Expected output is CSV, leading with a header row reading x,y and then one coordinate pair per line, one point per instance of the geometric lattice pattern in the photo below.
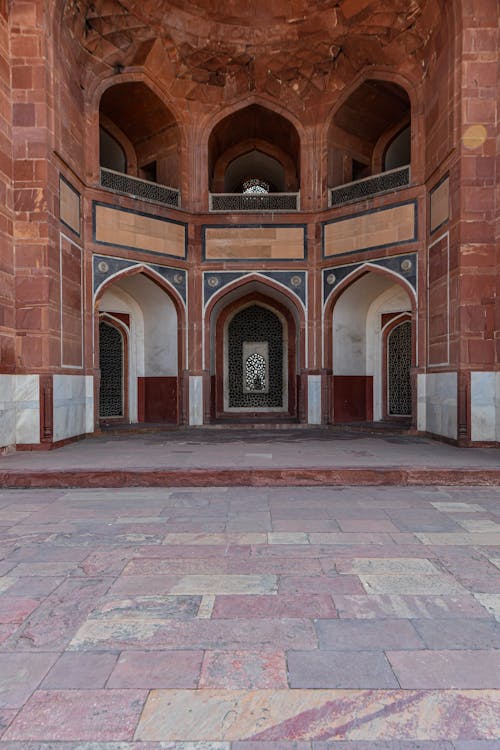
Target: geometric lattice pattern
x,y
399,363
255,373
380,183
249,202
111,365
257,324
150,191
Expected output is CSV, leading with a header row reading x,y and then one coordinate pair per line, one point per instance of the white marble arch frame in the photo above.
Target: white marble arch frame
x,y
148,272
358,271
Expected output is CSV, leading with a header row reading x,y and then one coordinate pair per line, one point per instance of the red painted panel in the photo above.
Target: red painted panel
x,y
159,399
352,398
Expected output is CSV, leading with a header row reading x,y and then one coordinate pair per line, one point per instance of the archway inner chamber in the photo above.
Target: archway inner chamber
x,y
255,360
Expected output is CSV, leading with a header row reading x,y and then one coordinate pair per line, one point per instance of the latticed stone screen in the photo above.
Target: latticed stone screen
x,y
399,362
254,202
255,373
151,191
111,365
380,183
255,367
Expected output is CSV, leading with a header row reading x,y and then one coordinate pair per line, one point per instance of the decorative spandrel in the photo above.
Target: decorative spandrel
x,y
111,365
398,364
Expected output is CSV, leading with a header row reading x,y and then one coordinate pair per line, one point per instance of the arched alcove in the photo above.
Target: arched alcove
x,y
362,317
149,317
142,121
368,116
267,143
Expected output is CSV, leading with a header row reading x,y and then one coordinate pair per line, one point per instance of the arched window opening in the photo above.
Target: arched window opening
x,y
254,172
398,152
111,153
256,372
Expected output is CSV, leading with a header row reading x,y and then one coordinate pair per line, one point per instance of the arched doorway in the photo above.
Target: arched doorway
x,y
255,369
398,366
112,352
372,350
139,352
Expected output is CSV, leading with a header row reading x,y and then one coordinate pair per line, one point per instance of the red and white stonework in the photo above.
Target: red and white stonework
x,y
130,250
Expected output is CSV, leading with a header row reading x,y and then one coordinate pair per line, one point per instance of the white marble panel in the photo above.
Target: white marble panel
x,y
485,406
27,405
7,411
70,403
421,403
89,403
314,399
195,400
437,403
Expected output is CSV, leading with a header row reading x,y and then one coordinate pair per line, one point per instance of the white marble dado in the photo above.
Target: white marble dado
x,y
7,411
195,400
314,399
437,403
485,406
19,409
27,405
71,402
89,403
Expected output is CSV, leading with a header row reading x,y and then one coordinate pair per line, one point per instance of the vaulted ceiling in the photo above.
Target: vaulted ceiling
x,y
218,50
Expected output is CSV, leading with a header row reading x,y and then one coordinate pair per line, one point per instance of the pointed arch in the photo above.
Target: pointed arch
x,y
333,298
252,283
170,291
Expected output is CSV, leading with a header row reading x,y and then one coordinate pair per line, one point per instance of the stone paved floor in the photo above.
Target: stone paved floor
x,y
253,619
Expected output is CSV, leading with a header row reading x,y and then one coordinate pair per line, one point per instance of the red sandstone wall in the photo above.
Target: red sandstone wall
x,y
36,258
478,209
68,93
7,306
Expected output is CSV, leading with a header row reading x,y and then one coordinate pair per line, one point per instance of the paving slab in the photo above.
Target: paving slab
x,y
243,669
77,671
78,715
337,669
20,674
264,715
410,606
440,669
157,669
367,635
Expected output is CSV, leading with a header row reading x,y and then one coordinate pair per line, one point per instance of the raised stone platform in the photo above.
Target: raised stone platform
x,y
202,458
